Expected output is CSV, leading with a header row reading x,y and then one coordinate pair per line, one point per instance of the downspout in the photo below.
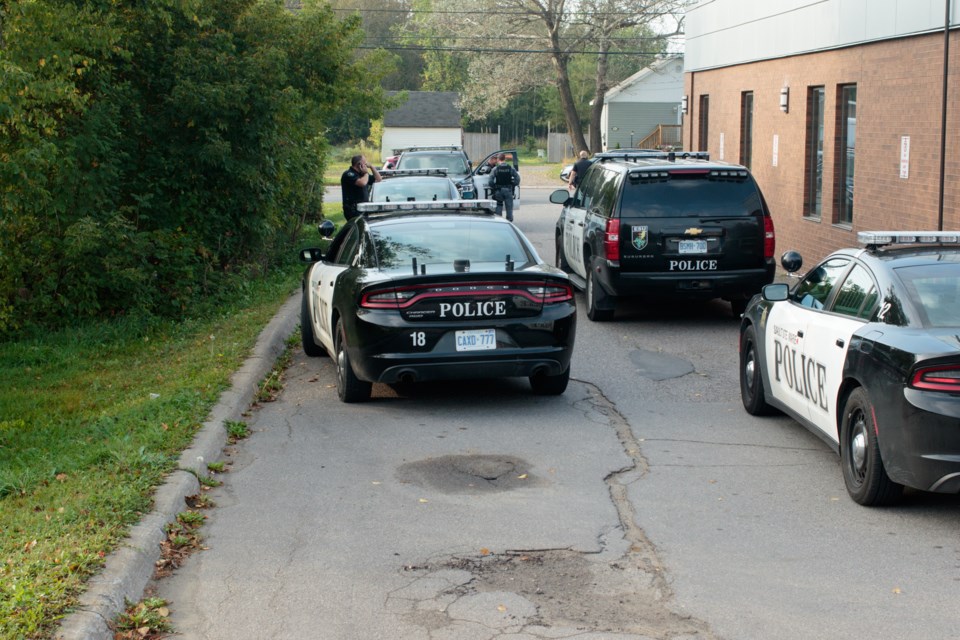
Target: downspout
x,y
943,112
690,102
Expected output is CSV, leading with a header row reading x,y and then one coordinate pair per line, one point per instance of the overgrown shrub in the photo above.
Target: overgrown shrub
x,y
150,150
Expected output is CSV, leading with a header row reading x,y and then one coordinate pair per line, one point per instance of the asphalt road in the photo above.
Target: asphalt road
x,y
643,503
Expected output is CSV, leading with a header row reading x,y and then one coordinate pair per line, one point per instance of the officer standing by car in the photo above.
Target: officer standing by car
x,y
578,171
354,183
503,180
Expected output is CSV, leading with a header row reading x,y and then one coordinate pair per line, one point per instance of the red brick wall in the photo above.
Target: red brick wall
x,y
899,86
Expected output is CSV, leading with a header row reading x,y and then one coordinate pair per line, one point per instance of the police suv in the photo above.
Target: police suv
x,y
664,226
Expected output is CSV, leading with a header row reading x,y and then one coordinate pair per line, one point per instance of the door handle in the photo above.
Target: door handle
x,y
840,342
800,333
579,224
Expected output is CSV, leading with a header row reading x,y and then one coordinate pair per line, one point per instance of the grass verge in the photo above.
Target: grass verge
x,y
91,420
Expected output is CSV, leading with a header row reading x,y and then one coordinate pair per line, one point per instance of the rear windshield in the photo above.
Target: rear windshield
x,y
453,163
438,243
690,195
935,291
412,189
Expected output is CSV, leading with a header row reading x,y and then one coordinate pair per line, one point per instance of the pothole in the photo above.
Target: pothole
x,y
658,366
469,474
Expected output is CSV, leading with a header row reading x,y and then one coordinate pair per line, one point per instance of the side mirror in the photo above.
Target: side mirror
x,y
791,261
775,292
311,255
560,196
326,228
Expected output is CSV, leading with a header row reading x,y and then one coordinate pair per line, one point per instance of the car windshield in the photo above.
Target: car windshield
x,y
690,195
412,189
437,243
935,291
453,163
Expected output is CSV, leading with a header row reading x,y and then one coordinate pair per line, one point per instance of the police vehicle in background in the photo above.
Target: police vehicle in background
x,y
664,226
865,352
418,291
472,182
414,185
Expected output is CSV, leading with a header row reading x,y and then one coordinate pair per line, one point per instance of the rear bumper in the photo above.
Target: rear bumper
x,y
700,285
925,454
384,348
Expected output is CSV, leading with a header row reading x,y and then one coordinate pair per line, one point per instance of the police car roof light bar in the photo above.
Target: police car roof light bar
x,y
434,205
439,147
398,173
672,156
872,239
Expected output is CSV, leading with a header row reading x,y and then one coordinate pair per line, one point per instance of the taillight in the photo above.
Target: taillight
x,y
385,299
611,240
551,294
943,378
769,238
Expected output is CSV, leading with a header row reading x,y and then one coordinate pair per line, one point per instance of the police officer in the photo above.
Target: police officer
x,y
580,168
502,181
355,183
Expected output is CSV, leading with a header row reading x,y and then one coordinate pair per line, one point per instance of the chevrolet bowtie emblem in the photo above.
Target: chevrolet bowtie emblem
x,y
693,231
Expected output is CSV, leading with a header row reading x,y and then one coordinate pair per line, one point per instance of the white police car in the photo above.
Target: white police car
x,y
865,352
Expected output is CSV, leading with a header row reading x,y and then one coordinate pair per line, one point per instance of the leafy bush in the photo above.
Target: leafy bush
x,y
149,151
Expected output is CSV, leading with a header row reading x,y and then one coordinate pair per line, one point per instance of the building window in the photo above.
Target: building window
x,y
813,173
704,122
746,128
846,151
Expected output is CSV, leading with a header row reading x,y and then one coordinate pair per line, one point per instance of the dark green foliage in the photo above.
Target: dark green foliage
x,y
150,152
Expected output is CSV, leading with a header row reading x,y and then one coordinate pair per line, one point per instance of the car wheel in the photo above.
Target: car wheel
x,y
544,385
350,388
595,299
561,261
307,338
863,472
751,378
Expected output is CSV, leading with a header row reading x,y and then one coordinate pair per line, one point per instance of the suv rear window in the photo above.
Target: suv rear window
x,y
689,193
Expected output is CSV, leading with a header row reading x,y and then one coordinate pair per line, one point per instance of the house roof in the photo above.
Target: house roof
x,y
425,109
642,75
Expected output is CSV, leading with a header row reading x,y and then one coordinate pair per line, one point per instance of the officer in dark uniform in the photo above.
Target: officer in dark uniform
x,y
579,169
502,181
355,184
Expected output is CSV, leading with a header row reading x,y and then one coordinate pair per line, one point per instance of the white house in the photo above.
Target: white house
x,y
426,118
644,104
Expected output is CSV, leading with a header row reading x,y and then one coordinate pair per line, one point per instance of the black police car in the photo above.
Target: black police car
x,y
664,226
865,352
415,291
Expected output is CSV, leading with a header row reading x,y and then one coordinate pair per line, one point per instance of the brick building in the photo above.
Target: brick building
x,y
836,106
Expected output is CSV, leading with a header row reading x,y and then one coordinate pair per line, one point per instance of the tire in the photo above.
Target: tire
x,y
350,388
863,472
751,380
307,337
596,298
544,385
560,261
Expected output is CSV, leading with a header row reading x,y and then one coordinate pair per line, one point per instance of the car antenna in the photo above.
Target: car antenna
x,y
509,263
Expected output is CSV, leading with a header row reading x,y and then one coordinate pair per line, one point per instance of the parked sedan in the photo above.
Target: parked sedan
x,y
413,291
864,351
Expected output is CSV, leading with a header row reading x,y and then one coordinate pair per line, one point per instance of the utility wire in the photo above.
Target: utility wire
x,y
487,50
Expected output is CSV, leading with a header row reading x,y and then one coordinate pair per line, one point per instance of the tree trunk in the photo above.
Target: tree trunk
x,y
570,114
596,111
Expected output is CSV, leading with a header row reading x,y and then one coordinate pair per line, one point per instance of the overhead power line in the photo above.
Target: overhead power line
x,y
658,14
498,50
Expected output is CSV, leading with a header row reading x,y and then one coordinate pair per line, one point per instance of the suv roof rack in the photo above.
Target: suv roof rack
x,y
466,206
439,147
644,154
399,173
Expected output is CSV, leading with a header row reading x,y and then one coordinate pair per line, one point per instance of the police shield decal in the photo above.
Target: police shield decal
x,y
639,237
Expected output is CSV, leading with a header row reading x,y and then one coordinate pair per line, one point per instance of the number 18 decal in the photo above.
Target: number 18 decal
x,y
419,338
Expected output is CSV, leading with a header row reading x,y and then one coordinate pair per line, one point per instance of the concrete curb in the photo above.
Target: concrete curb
x,y
130,568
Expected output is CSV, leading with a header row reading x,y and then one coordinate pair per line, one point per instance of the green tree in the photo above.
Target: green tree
x,y
151,150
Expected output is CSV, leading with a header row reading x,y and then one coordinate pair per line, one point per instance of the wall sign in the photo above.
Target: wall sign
x,y
776,149
904,157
